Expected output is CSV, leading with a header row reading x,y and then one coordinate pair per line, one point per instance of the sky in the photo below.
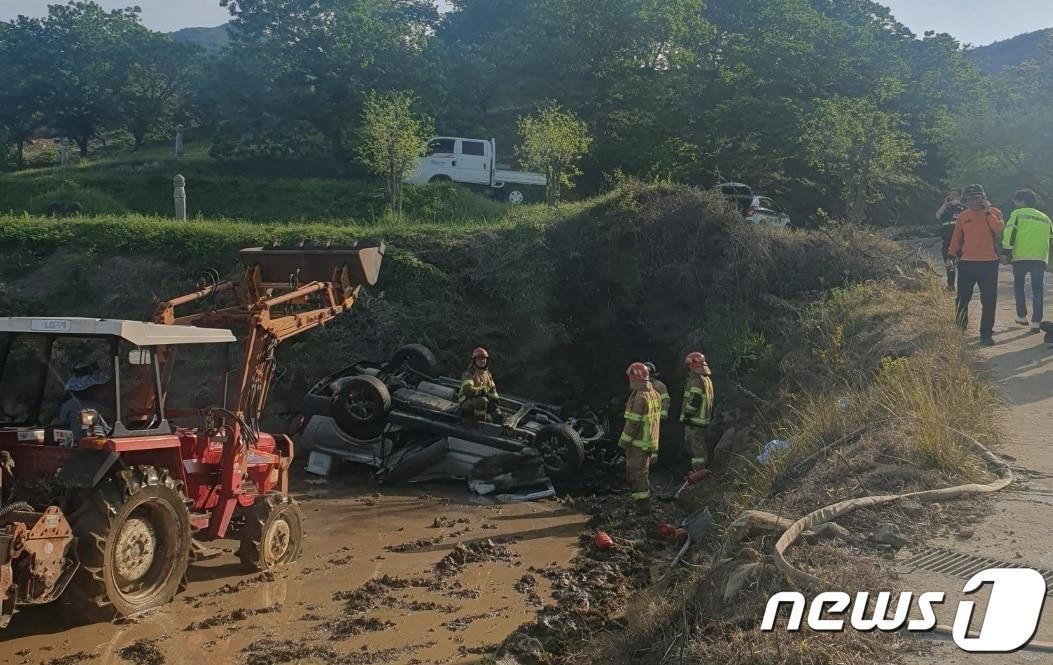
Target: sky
x,y
976,22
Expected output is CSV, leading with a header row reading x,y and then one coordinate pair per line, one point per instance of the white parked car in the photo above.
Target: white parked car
x,y
473,162
755,208
765,210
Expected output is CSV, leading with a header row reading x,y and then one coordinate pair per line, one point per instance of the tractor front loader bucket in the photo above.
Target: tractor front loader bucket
x,y
280,265
37,557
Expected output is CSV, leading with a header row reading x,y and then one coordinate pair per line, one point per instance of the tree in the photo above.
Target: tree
x,y
309,64
159,72
89,51
24,83
554,142
392,140
861,149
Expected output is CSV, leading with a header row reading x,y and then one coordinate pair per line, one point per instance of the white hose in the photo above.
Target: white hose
x,y
808,581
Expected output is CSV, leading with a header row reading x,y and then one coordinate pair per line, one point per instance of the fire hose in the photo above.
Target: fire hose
x,y
806,580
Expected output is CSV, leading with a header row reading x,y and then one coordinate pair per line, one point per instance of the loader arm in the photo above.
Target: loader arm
x,y
271,305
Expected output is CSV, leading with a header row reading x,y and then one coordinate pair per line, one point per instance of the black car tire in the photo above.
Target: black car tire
x,y
361,406
419,357
562,450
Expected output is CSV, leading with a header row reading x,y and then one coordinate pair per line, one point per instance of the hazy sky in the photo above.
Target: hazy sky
x,y
973,21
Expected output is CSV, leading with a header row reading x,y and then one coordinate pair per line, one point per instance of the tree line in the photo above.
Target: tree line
x,y
834,105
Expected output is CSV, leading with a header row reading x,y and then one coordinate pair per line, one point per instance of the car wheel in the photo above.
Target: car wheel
x,y
562,450
440,178
361,406
516,196
418,357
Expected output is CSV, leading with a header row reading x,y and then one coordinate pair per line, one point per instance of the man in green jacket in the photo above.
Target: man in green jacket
x,y
1026,241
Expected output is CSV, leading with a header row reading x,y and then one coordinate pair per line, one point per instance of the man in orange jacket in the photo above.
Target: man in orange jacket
x,y
975,242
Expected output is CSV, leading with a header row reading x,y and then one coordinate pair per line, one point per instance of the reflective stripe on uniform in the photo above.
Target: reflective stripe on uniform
x,y
629,415
641,496
625,438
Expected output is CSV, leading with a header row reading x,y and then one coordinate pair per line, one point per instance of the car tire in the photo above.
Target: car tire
x,y
562,450
361,406
440,179
419,357
517,195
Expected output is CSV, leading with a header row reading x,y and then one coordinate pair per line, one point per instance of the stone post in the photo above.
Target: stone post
x,y
180,197
64,153
179,142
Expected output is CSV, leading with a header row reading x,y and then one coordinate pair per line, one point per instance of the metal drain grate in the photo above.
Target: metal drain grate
x,y
959,564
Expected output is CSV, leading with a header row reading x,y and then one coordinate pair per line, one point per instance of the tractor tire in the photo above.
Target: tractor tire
x,y
419,357
361,406
133,540
272,536
562,449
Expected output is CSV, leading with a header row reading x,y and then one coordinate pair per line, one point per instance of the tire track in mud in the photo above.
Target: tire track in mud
x,y
397,578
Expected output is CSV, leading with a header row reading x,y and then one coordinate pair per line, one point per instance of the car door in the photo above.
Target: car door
x,y
439,160
472,164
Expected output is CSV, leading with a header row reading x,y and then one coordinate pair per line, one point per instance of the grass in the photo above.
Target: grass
x,y
141,182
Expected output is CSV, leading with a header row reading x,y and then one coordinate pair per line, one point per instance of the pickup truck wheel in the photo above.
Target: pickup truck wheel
x,y
418,357
562,450
361,406
516,196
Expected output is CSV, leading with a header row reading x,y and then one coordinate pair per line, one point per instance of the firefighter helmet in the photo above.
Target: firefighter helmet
x,y
480,352
638,372
651,369
695,360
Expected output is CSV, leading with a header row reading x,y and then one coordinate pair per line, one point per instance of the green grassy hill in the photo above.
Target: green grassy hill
x,y
141,183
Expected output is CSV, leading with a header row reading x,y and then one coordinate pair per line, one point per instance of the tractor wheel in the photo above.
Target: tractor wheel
x,y
562,450
133,540
273,533
361,406
419,358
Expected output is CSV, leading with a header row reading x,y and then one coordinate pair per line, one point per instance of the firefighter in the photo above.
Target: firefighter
x,y
659,387
478,394
643,413
697,412
975,241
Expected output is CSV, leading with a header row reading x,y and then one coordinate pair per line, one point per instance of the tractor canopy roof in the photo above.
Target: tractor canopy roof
x,y
135,332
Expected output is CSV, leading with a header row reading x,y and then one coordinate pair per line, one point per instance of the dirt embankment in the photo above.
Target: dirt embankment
x,y
644,272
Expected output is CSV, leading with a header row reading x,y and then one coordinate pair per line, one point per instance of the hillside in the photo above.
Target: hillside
x,y
210,39
996,57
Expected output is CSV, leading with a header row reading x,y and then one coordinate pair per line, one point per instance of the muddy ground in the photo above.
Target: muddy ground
x,y
389,575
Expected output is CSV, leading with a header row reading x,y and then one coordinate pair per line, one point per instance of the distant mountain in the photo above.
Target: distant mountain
x,y
210,39
1011,52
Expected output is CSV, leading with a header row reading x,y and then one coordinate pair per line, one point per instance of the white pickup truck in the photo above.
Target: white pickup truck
x,y
474,162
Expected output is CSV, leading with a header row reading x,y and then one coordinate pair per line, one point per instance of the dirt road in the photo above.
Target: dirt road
x,y
1018,530
380,582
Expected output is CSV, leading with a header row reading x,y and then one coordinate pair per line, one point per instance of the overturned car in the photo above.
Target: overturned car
x,y
405,419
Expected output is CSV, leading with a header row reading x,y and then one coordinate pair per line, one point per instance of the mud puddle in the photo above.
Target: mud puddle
x,y
407,576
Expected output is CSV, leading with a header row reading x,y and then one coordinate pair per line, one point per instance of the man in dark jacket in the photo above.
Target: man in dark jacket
x,y
946,216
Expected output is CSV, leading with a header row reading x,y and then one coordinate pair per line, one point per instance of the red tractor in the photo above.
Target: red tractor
x,y
136,486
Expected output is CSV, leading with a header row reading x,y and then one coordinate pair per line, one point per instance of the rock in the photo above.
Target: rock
x,y
965,534
827,531
888,534
912,509
727,441
64,209
749,555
